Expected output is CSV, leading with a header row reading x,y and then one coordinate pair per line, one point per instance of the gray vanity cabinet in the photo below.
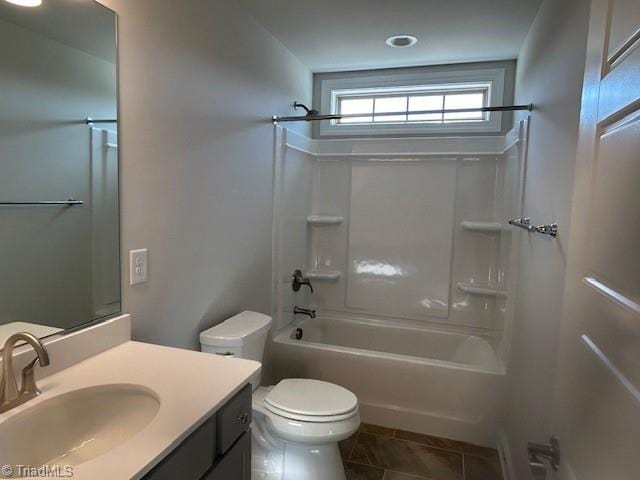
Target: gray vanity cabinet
x,y
220,449
236,464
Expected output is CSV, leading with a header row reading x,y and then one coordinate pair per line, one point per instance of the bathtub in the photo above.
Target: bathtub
x,y
416,379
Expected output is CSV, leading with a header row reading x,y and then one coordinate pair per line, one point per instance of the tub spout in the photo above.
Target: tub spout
x,y
309,312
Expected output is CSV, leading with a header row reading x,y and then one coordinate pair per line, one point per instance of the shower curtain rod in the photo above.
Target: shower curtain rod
x,y
311,118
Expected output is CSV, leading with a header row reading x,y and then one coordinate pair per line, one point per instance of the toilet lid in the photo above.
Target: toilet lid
x,y
311,398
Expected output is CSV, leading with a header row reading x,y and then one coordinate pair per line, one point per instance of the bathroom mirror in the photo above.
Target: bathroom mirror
x,y
59,223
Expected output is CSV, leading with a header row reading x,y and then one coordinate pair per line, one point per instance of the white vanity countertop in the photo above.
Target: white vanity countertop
x,y
191,387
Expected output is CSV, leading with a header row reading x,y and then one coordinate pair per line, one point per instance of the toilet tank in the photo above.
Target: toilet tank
x,y
243,336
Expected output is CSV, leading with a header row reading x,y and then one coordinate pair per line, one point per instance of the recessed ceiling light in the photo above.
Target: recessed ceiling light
x,y
402,41
26,3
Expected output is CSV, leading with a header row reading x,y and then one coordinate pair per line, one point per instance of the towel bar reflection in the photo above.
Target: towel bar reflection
x,y
525,223
91,121
70,203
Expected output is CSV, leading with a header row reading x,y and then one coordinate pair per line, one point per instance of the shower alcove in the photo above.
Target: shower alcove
x,y
407,245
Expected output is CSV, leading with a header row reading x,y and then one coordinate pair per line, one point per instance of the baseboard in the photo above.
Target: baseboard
x,y
428,423
506,460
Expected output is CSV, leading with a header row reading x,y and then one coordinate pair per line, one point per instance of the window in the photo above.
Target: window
x,y
405,103
381,105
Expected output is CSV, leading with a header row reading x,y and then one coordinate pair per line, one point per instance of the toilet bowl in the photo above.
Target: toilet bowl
x,y
296,437
297,423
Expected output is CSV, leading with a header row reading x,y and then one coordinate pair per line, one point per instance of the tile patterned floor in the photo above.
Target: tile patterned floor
x,y
380,453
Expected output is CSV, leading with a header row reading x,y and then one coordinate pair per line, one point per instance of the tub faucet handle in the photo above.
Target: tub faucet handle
x,y
298,279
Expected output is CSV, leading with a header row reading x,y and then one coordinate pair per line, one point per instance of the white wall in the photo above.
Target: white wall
x,y
47,89
198,82
550,73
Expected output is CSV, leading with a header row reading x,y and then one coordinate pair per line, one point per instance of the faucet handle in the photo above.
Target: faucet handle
x,y
28,385
8,388
298,279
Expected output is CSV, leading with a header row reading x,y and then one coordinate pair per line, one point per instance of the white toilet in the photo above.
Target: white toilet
x,y
297,423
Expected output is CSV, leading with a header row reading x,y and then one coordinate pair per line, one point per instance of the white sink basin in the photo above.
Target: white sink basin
x,y
77,426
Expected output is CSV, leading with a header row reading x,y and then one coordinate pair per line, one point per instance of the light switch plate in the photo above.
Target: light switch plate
x,y
138,266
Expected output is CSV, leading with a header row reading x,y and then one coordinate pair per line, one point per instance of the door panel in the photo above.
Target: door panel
x,y
601,441
597,401
621,34
623,26
615,212
626,71
613,328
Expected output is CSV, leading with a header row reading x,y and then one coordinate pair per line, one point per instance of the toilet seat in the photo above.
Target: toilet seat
x,y
311,401
310,418
304,429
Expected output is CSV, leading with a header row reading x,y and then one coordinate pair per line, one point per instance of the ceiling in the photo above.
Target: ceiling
x,y
81,24
333,35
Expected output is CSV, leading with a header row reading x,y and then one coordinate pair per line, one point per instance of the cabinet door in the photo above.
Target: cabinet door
x,y
236,464
234,419
191,459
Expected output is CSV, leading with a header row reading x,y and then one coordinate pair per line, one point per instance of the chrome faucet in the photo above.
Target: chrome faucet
x,y
309,312
10,396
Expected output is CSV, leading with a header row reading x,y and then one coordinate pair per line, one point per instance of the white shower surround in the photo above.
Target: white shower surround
x,y
435,390
315,179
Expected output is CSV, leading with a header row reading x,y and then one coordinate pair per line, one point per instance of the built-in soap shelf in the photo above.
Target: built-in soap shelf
x,y
481,290
321,220
483,227
324,275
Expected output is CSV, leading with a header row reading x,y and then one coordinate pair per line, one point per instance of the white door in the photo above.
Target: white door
x,y
597,399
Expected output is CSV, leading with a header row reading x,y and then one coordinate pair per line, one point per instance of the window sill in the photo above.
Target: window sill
x,y
492,126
